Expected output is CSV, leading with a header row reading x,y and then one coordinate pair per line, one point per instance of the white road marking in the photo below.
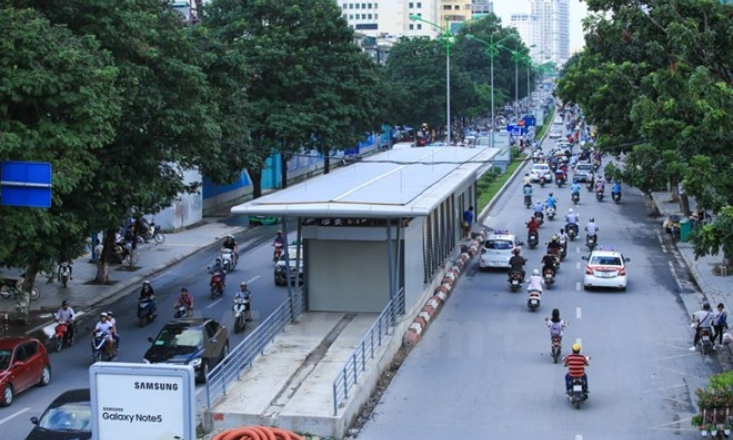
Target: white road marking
x,y
577,286
674,275
577,265
214,303
12,416
253,279
664,249
578,437
659,237
578,313
577,250
579,341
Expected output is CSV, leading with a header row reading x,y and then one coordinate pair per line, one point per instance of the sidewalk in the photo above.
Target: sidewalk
x,y
83,296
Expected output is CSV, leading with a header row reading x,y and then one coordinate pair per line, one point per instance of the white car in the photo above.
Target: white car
x,y
540,170
555,134
497,250
605,268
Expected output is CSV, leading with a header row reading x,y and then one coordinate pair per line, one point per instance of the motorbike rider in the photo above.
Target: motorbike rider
x,y
537,208
562,237
576,364
535,281
572,220
527,190
146,294
217,267
526,180
551,202
554,247
616,189
549,263
184,299
65,264
575,189
600,185
116,334
244,294
533,227
104,326
591,228
66,314
517,262
556,324
279,239
231,244
702,319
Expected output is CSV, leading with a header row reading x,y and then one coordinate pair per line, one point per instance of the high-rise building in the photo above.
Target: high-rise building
x,y
527,26
454,12
481,7
375,18
553,32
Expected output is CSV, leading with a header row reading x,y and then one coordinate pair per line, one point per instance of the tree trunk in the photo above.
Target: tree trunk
x,y
23,300
283,171
255,176
106,256
326,164
685,205
674,190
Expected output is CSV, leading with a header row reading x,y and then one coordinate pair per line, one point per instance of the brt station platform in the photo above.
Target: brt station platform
x,y
376,236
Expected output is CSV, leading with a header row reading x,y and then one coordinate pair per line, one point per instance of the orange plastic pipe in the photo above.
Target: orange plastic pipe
x,y
257,433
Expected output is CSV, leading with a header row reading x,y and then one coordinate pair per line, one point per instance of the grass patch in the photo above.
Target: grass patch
x,y
490,183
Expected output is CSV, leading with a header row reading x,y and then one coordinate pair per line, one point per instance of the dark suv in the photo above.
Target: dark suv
x,y
199,342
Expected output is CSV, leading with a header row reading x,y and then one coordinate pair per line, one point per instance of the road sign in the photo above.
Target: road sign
x,y
529,121
516,130
26,184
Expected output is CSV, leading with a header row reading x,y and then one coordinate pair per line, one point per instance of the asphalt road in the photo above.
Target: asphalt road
x,y
70,366
483,369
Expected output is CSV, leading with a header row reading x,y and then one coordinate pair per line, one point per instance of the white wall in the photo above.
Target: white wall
x,y
413,260
186,210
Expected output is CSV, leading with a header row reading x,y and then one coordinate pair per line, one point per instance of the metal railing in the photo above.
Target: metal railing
x,y
244,354
365,349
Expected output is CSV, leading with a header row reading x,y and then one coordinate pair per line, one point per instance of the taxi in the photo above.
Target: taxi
x,y
605,268
497,250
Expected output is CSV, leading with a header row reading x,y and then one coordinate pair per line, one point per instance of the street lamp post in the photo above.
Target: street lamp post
x,y
492,50
448,41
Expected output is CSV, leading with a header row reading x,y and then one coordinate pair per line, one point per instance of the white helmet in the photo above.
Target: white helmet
x,y
570,211
536,272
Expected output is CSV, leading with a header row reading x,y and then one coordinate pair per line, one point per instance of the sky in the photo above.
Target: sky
x,y
505,8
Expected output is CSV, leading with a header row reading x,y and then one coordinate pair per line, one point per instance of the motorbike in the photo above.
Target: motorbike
x,y
575,197
528,201
556,348
124,255
182,312
146,311
277,252
216,284
549,277
227,260
599,195
560,180
577,394
542,181
102,349
515,280
616,197
572,230
550,213
534,299
563,249
591,241
65,273
64,334
151,233
11,288
533,240
240,314
589,185
706,341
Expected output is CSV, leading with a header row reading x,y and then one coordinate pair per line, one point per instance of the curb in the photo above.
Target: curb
x,y
124,285
442,292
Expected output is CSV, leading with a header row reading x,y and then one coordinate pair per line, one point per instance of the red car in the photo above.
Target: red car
x,y
23,363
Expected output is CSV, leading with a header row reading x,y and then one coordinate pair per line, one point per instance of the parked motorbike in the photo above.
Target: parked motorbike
x,y
599,195
616,197
216,284
151,233
534,299
102,349
549,277
515,280
64,334
11,288
227,260
550,212
533,240
575,197
240,315
123,254
577,394
706,341
65,273
591,241
147,311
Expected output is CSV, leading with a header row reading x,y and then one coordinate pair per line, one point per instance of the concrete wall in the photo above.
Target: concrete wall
x,y
413,261
347,276
187,210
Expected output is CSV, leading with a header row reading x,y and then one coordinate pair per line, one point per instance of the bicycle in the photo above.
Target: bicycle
x,y
10,288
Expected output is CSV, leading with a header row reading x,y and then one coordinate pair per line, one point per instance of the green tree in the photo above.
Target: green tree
x,y
169,120
59,104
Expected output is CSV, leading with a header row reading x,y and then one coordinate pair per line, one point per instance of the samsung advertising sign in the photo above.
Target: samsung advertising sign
x,y
142,401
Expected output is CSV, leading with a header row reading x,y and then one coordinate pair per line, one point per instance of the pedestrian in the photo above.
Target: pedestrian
x,y
720,323
467,222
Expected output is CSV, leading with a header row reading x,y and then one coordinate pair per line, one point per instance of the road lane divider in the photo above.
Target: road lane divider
x,y
577,286
14,415
578,313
